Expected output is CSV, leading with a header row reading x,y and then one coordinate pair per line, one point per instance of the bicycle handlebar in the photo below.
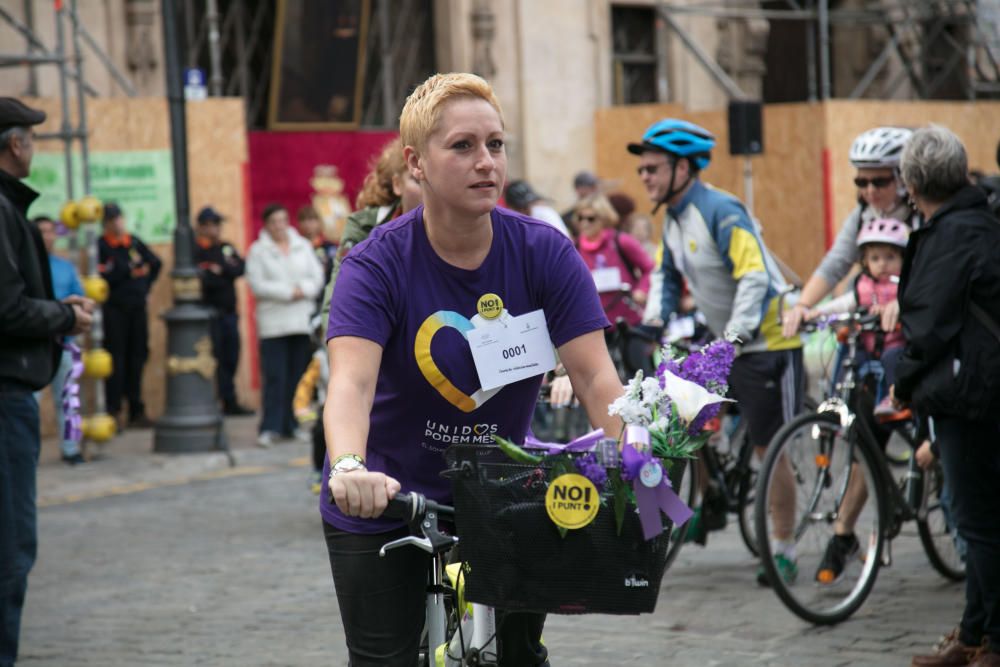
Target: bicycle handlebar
x,y
412,507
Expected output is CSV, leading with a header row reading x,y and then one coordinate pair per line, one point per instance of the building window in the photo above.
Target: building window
x,y
633,60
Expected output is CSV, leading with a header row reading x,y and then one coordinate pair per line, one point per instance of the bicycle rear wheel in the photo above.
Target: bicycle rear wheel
x,y
938,534
746,490
812,462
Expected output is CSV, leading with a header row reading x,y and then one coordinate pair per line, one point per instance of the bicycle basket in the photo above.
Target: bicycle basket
x,y
515,558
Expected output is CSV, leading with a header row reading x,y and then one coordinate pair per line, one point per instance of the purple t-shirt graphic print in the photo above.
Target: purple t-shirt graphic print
x,y
395,290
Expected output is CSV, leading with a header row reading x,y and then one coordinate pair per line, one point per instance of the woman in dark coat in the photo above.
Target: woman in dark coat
x,y
949,298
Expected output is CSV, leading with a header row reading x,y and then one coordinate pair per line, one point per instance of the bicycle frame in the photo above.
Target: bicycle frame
x,y
482,640
841,402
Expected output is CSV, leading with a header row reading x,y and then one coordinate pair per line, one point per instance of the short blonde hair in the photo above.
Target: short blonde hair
x,y
600,205
422,110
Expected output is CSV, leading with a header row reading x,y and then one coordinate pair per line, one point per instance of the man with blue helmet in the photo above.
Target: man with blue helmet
x,y
710,241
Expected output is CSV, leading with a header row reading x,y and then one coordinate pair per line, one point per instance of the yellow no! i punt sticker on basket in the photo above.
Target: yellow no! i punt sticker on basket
x,y
572,501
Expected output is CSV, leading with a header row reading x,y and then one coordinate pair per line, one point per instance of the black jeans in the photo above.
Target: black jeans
x,y
19,444
225,329
126,336
283,360
382,604
970,455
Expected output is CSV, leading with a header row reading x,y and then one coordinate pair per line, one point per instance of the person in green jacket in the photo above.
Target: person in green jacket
x,y
389,191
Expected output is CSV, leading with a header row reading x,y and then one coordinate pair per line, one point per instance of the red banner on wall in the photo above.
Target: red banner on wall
x,y
282,165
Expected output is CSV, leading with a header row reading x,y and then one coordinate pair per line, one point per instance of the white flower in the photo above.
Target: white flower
x,y
631,410
689,397
651,391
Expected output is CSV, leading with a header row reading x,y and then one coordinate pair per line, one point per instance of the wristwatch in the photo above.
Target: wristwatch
x,y
347,463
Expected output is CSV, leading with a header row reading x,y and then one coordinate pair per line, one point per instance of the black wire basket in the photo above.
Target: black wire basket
x,y
515,558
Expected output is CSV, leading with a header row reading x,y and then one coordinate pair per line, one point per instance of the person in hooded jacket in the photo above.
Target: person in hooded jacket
x,y
949,300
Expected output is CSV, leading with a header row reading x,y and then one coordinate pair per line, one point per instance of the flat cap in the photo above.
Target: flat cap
x,y
14,113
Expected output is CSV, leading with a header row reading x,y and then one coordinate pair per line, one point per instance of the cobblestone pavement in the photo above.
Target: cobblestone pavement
x,y
188,561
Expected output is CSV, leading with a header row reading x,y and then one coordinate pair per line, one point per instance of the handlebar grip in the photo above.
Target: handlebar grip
x,y
402,506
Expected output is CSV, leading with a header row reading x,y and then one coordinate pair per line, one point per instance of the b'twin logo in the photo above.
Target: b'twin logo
x,y
632,582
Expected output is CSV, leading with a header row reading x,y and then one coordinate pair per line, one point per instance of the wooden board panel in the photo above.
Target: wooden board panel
x,y
217,151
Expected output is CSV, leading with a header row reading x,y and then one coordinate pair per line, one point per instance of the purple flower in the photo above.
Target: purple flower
x,y
589,467
709,367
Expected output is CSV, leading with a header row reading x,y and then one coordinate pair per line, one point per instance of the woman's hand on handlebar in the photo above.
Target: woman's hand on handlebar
x,y
362,493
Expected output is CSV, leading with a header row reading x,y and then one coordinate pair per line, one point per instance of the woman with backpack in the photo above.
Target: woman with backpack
x,y
617,262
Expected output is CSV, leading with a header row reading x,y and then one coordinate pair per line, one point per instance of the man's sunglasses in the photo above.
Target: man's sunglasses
x,y
877,183
650,168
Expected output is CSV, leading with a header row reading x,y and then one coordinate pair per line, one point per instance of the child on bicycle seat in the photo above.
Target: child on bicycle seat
x,y
880,243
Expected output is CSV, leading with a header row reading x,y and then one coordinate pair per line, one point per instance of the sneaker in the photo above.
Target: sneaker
x,y
886,412
787,568
839,550
74,459
266,439
696,529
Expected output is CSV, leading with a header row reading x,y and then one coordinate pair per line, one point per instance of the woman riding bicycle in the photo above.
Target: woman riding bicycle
x,y
404,384
875,155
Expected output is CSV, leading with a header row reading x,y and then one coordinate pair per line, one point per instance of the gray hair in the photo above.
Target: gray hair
x,y
934,164
11,132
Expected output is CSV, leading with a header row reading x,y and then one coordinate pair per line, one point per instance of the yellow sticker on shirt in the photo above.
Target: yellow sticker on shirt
x,y
572,501
490,306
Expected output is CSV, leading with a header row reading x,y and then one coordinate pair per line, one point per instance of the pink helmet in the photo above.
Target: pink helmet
x,y
884,230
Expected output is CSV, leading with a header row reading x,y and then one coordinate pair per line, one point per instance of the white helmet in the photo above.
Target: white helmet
x,y
879,147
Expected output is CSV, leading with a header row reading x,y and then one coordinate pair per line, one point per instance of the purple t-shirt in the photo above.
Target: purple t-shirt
x,y
395,290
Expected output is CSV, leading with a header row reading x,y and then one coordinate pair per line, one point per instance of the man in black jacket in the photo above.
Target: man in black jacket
x,y
131,269
31,325
949,300
219,265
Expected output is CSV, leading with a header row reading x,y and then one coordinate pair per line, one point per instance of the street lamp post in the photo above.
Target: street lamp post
x,y
192,421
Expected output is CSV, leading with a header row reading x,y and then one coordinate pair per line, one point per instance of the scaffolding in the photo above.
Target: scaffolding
x,y
70,68
233,41
934,42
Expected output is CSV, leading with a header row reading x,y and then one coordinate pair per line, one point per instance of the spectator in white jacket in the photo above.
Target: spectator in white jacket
x,y
285,277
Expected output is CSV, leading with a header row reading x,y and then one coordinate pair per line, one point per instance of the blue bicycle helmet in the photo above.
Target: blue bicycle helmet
x,y
677,137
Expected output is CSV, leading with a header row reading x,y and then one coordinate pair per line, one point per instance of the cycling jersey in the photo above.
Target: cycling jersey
x,y
395,290
710,241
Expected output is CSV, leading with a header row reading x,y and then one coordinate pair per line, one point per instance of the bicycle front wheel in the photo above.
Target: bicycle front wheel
x,y
687,492
815,473
938,533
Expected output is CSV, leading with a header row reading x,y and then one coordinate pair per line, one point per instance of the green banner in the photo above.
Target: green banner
x,y
141,182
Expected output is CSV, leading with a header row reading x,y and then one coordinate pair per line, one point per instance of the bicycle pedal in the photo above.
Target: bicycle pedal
x,y
887,554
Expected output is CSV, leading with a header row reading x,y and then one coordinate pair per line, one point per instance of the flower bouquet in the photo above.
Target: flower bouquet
x,y
664,418
576,528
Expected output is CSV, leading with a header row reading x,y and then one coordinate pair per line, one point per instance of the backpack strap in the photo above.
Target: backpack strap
x,y
980,314
629,266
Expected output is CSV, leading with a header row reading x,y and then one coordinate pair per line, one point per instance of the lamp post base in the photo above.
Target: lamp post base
x,y
192,421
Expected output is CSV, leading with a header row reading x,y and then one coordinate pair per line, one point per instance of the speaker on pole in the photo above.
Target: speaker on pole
x,y
746,136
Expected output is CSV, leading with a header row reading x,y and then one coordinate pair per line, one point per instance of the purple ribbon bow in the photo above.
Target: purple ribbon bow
x,y
584,443
71,397
651,500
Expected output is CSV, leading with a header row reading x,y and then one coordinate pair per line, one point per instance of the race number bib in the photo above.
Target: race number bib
x,y
509,349
607,279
